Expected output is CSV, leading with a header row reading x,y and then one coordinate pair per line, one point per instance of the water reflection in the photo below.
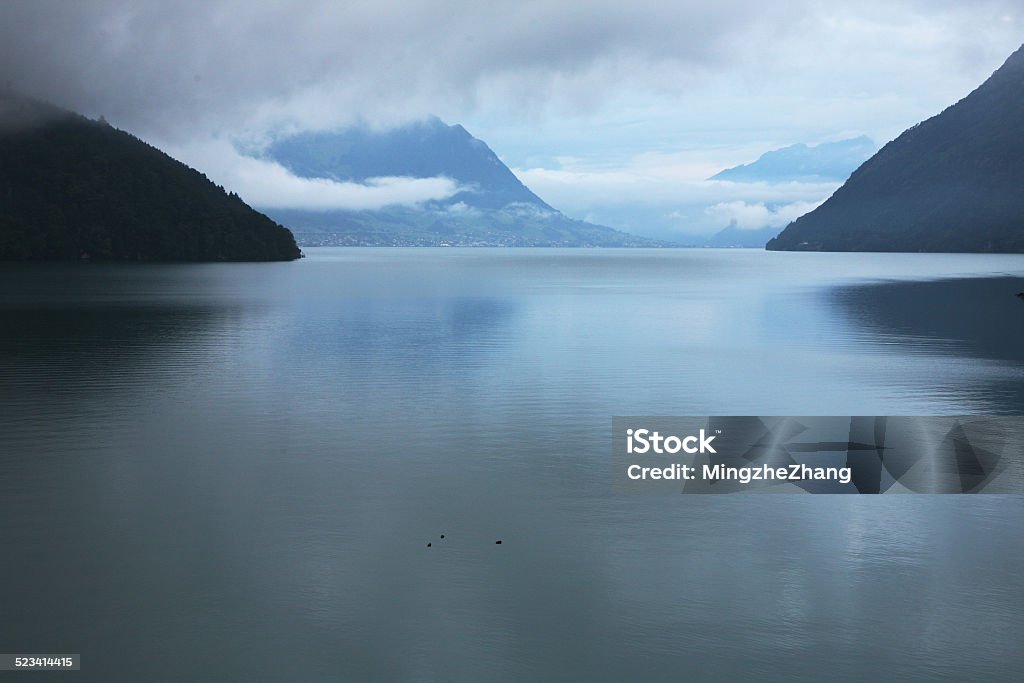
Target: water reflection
x,y
967,317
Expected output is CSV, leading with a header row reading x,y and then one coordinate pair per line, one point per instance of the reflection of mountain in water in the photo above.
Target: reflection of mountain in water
x,y
93,338
977,318
58,353
981,317
419,333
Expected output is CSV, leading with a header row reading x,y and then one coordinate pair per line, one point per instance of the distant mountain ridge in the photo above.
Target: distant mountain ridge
x,y
952,183
492,207
803,163
72,188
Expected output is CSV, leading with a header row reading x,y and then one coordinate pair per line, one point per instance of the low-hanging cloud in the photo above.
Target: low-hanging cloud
x,y
659,179
756,215
668,195
268,185
269,188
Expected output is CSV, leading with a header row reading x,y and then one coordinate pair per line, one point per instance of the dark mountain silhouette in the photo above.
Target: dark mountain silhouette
x,y
953,183
818,163
492,207
72,188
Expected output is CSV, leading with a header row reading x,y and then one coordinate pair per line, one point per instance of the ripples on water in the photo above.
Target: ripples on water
x,y
237,467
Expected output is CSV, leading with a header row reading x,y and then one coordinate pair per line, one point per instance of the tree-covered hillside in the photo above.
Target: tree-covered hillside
x,y
72,188
952,183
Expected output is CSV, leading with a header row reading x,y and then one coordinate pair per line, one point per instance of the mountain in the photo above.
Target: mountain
x,y
953,183
818,163
72,188
737,237
425,149
492,207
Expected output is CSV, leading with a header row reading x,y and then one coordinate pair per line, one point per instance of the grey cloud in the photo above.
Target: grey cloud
x,y
175,69
172,67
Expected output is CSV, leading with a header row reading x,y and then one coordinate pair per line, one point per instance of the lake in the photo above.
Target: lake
x,y
232,471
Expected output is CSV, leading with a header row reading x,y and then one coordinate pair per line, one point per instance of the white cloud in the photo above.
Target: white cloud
x,y
658,194
265,184
755,215
658,178
460,209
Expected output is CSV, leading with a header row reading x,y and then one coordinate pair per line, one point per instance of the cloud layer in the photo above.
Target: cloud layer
x,y
150,64
191,65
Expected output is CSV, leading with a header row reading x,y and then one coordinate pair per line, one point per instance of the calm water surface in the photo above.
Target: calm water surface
x,y
213,472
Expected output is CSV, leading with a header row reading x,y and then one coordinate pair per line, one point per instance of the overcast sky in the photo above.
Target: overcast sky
x,y
614,111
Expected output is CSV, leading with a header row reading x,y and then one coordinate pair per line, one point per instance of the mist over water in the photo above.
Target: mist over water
x,y
232,471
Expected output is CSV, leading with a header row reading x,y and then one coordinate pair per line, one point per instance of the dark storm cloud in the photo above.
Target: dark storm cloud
x,y
178,65
182,66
